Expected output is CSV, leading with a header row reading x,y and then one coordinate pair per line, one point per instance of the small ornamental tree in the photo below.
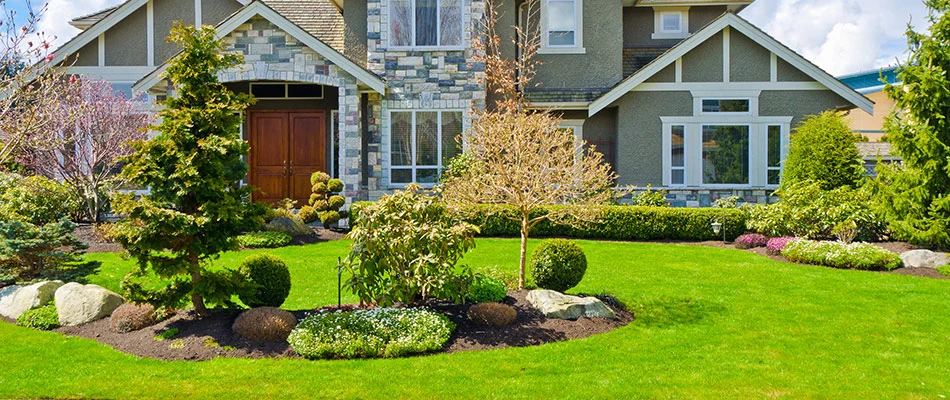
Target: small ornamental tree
x,y
196,206
915,195
521,157
823,150
325,198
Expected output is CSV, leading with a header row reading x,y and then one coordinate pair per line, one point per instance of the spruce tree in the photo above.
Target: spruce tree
x,y
196,205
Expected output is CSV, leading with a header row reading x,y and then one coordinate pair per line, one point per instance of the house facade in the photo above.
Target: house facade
x,y
678,94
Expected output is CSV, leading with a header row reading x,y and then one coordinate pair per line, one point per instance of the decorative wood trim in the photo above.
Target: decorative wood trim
x,y
150,32
773,67
198,21
102,50
726,55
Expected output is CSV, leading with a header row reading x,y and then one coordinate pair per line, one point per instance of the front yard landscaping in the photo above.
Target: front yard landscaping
x,y
711,323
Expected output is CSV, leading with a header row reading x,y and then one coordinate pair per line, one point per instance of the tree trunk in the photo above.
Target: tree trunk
x,y
524,250
196,299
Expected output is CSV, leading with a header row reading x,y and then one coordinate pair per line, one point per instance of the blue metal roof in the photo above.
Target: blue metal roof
x,y
870,81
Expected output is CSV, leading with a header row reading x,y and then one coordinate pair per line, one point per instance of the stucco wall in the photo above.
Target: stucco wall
x,y
704,62
638,24
869,125
788,73
127,42
639,137
602,63
213,12
166,13
798,103
666,75
701,16
354,35
748,61
88,55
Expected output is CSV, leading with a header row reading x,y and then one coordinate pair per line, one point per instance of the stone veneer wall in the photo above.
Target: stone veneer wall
x,y
272,54
420,79
694,198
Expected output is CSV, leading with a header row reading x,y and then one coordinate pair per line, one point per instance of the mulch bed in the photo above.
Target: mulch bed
x,y
193,340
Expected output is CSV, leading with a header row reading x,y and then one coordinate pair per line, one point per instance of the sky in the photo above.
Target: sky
x,y
840,36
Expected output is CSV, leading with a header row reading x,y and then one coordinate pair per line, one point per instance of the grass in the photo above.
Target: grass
x,y
712,323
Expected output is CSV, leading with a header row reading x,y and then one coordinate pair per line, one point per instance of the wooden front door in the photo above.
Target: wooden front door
x,y
286,148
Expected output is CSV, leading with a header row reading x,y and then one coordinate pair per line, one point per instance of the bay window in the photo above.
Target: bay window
x,y
421,143
426,23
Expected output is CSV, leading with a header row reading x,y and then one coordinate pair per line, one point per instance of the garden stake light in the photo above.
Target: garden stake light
x,y
339,283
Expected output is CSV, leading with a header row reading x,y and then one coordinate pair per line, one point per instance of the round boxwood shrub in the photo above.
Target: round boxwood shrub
x,y
307,214
558,264
44,318
272,278
486,289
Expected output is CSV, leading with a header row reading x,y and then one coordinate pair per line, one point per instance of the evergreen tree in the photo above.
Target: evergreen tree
x,y
193,168
823,150
915,196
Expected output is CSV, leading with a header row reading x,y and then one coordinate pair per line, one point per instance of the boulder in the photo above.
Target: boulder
x,y
924,259
26,298
562,306
290,226
78,304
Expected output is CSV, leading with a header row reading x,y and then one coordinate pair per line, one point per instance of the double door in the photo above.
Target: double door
x,y
286,148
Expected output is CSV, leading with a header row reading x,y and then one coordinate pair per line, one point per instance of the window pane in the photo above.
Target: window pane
x,y
679,177
402,176
400,22
775,146
426,176
451,132
451,19
296,90
678,142
402,138
671,23
774,176
715,105
561,16
272,91
427,138
558,38
426,22
725,154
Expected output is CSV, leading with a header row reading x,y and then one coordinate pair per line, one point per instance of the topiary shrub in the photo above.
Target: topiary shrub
x,y
380,332
485,289
308,214
132,317
264,240
269,276
265,324
43,318
751,240
558,264
325,198
492,314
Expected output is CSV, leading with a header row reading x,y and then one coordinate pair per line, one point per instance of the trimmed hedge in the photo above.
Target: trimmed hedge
x,y
615,223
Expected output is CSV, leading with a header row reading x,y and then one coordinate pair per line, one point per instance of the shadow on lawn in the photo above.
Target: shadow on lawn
x,y
73,272
668,312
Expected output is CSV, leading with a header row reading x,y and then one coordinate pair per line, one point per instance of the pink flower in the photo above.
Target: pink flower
x,y
50,57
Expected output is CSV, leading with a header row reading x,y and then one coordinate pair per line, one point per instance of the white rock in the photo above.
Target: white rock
x,y
924,259
78,304
27,298
562,306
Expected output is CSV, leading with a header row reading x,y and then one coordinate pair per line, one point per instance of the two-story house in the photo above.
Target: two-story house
x,y
679,94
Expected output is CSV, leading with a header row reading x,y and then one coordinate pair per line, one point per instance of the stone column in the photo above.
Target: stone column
x,y
350,141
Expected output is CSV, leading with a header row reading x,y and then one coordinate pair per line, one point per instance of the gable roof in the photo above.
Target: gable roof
x,y
258,8
745,27
867,82
88,20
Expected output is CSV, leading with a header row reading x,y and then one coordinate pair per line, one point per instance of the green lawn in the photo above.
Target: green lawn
x,y
712,323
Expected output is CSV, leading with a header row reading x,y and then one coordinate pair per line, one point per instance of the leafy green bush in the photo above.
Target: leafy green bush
x,y
485,289
508,276
29,251
650,198
307,214
380,332
944,270
615,223
558,264
807,211
271,280
406,248
839,255
39,201
43,318
264,240
822,150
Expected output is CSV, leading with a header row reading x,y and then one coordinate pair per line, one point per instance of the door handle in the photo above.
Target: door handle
x,y
291,167
285,167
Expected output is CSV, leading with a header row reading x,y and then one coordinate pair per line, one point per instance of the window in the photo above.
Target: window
x,y
678,155
774,166
426,23
726,154
421,143
726,106
562,26
281,91
670,23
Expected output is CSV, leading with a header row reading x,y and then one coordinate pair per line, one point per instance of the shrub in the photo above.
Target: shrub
x,y
43,318
264,240
485,289
380,332
751,240
265,324
508,277
39,201
406,249
628,223
558,264
775,245
132,317
492,314
307,214
270,278
944,270
325,198
839,255
650,198
29,251
822,151
166,334
809,212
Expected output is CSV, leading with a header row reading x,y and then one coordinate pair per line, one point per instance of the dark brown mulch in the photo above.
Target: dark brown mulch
x,y
191,343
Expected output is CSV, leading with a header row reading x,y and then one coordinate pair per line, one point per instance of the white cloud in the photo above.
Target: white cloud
x,y
55,22
840,36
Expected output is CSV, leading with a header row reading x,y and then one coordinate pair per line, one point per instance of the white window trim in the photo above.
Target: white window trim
x,y
659,33
578,46
577,127
414,168
693,152
438,33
